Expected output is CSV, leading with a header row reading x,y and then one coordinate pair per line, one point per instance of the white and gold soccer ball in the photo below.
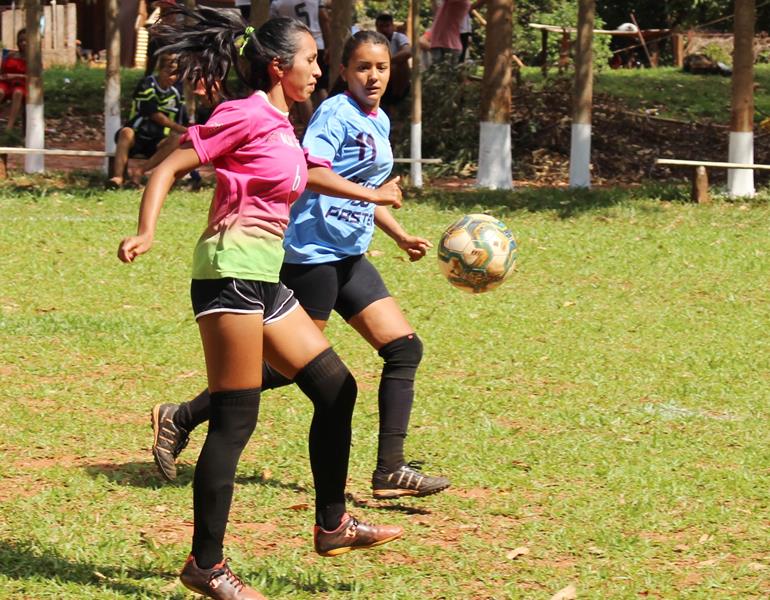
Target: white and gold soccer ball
x,y
477,253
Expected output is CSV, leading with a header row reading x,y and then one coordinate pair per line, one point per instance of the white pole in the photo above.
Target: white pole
x,y
35,132
495,111
112,80
580,144
741,141
415,151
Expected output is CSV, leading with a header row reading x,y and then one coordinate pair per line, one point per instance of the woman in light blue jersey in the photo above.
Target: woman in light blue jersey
x,y
329,232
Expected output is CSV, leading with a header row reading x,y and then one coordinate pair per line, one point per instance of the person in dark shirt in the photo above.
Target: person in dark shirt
x,y
155,121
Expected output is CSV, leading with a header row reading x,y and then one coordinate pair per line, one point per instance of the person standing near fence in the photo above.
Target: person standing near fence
x,y
243,312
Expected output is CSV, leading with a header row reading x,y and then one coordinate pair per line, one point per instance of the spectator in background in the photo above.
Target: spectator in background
x,y
13,79
315,15
446,43
400,53
155,121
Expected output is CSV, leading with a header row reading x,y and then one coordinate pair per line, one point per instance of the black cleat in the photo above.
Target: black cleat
x,y
168,439
406,481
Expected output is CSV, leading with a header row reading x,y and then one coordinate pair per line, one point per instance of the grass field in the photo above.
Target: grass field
x,y
672,92
606,408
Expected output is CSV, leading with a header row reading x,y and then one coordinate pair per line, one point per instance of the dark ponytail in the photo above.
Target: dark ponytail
x,y
209,43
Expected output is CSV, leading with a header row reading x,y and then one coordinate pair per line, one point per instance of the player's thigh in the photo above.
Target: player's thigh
x,y
365,303
232,345
292,342
381,322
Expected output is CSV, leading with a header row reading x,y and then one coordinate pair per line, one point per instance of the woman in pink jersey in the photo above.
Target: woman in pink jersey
x,y
237,298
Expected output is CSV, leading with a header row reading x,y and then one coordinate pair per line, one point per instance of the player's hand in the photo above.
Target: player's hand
x,y
389,194
133,246
415,247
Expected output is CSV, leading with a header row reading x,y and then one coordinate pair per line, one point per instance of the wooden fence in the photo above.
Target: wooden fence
x,y
59,37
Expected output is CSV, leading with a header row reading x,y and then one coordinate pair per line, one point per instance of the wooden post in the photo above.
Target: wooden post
x,y
677,48
580,147
341,21
495,132
700,186
544,52
112,79
741,148
416,93
35,135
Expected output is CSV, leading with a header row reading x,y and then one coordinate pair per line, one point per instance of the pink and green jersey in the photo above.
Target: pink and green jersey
x,y
261,169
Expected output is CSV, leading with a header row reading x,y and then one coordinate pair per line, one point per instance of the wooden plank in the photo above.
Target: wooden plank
x,y
703,163
53,151
427,161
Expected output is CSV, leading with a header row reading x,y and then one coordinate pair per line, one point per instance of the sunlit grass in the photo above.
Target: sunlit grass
x,y
605,408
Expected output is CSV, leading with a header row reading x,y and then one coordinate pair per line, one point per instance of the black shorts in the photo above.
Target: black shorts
x,y
143,146
347,286
241,296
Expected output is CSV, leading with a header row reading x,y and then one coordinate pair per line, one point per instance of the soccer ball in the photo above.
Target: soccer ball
x,y
477,253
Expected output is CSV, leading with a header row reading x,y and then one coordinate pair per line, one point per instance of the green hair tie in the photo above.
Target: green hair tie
x,y
245,39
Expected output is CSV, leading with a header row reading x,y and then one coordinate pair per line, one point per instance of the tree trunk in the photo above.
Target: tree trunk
x,y
112,78
740,182
260,12
580,148
495,133
341,21
416,94
35,134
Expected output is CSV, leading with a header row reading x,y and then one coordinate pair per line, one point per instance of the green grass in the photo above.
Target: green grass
x,y
80,90
607,407
674,93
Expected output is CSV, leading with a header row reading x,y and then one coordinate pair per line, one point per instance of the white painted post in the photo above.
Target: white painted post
x,y
415,150
112,79
741,144
495,127
35,133
580,144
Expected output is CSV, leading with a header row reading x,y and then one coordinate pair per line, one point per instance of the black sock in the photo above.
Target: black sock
x,y
331,387
395,400
196,411
191,414
233,419
395,397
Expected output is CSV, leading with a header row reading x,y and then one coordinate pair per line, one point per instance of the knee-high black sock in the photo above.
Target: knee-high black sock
x,y
395,398
331,387
191,414
233,419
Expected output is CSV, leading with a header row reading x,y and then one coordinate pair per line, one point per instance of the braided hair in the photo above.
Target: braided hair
x,y
209,43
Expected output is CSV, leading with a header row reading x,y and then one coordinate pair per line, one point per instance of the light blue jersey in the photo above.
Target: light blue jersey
x,y
325,228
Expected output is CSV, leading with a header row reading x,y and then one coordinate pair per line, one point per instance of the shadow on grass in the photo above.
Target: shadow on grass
x,y
386,507
22,561
564,202
145,475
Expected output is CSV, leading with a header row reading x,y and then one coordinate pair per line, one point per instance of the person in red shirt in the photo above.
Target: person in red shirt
x,y
13,78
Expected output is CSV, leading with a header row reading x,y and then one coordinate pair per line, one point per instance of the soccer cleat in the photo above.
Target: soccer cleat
x,y
406,481
218,582
168,439
352,534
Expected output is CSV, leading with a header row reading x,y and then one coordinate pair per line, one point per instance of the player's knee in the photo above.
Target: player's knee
x,y
402,357
328,383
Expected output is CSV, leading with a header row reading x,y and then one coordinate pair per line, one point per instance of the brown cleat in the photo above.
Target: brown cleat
x,y
352,534
218,582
